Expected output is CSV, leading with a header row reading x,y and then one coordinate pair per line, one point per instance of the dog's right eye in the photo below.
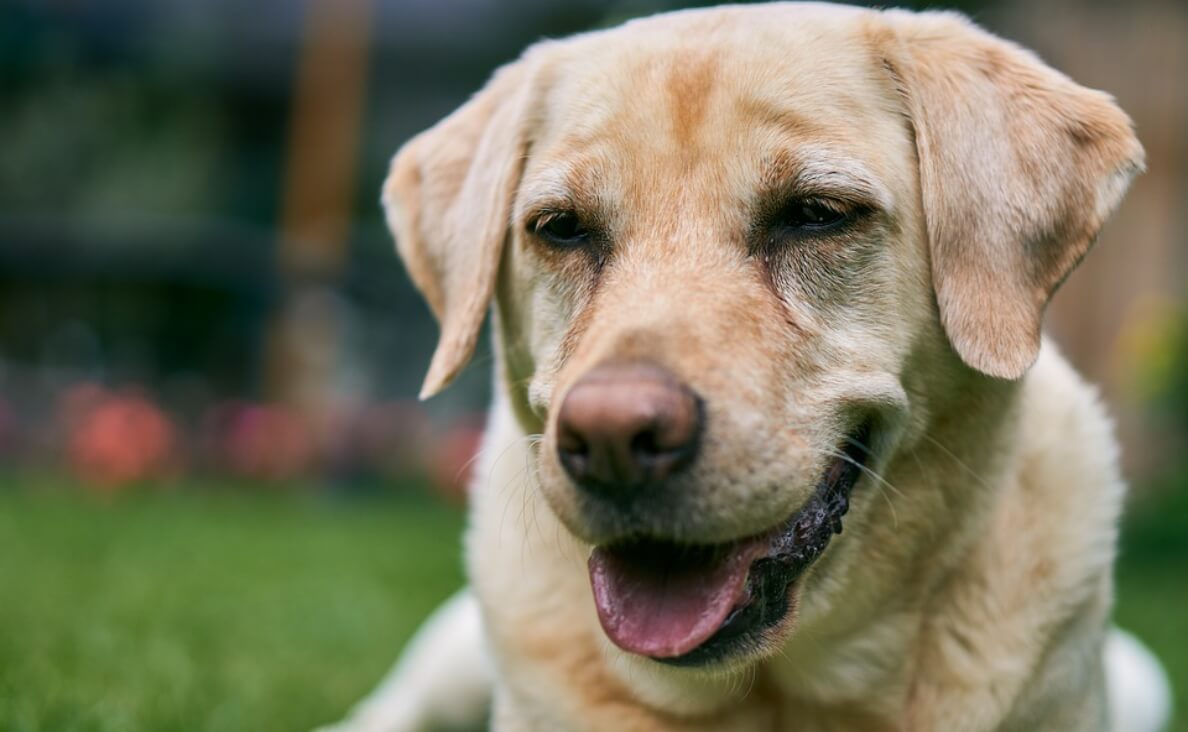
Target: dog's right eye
x,y
561,229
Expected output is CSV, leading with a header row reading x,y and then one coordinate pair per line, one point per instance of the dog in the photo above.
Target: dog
x,y
777,443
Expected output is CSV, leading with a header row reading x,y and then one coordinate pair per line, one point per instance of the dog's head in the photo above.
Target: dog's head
x,y
737,254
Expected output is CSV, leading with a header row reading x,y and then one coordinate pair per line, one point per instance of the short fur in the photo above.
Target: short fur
x,y
971,588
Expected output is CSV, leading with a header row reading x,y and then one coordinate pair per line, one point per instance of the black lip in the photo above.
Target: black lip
x,y
794,547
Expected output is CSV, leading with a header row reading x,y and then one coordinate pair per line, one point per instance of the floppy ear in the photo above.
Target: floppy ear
x,y
448,200
1019,167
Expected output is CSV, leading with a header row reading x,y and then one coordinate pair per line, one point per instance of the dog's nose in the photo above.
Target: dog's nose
x,y
625,425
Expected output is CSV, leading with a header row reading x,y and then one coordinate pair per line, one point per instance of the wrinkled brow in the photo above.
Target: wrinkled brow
x,y
558,186
810,171
806,171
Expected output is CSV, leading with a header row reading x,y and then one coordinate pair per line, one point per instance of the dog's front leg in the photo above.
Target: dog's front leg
x,y
441,682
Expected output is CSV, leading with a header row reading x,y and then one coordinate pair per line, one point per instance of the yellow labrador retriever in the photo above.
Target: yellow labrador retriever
x,y
777,444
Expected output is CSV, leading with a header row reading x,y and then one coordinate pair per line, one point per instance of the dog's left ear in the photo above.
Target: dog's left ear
x,y
1019,168
448,200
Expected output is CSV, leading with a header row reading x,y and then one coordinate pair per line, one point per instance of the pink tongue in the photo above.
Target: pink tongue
x,y
666,606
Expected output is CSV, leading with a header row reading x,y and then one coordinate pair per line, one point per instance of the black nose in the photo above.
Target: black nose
x,y
624,425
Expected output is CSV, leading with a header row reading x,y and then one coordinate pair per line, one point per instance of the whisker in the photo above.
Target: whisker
x,y
916,457
865,469
860,445
502,489
752,674
881,481
973,473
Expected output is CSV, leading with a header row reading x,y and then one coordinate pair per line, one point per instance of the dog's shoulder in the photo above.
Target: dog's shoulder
x,y
1066,439
1062,507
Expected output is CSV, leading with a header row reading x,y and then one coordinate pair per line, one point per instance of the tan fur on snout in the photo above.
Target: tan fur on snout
x,y
971,587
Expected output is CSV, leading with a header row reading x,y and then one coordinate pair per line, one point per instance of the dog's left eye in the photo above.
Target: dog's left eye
x,y
807,215
561,229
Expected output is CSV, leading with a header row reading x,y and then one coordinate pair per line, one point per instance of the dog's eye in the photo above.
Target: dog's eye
x,y
561,229
808,215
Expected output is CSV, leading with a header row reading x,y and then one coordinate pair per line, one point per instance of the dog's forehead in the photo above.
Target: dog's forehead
x,y
725,90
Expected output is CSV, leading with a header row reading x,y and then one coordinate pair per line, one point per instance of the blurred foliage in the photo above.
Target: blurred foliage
x,y
1171,400
1156,529
1157,346
111,115
145,149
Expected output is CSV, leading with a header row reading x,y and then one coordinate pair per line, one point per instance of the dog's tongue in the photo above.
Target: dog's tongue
x,y
663,603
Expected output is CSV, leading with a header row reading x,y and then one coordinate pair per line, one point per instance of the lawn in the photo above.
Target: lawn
x,y
214,610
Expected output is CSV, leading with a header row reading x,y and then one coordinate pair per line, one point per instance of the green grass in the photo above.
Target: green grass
x,y
214,610
208,612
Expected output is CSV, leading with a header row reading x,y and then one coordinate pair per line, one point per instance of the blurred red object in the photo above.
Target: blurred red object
x,y
114,439
452,463
263,442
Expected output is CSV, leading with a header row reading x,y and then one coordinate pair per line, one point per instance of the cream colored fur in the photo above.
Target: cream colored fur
x,y
971,588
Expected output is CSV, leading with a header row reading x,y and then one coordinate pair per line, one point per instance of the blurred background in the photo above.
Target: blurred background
x,y
221,506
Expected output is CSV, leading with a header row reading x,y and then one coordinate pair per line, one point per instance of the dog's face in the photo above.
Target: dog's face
x,y
738,256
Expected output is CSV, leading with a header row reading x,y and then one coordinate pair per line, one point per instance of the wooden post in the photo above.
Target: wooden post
x,y
329,97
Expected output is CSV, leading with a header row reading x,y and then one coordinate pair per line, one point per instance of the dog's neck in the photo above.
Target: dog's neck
x,y
854,648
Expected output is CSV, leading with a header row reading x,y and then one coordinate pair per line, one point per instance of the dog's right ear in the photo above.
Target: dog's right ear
x,y
448,200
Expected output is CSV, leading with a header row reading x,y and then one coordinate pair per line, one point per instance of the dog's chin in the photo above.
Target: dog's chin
x,y
697,605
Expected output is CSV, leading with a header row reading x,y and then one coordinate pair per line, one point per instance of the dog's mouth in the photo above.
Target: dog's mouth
x,y
690,605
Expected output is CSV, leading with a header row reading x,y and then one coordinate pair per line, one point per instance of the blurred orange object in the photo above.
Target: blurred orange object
x,y
114,439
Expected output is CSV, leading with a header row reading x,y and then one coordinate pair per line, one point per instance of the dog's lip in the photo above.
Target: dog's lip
x,y
693,604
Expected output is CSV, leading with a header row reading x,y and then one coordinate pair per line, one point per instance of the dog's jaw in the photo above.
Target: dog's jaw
x,y
700,605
